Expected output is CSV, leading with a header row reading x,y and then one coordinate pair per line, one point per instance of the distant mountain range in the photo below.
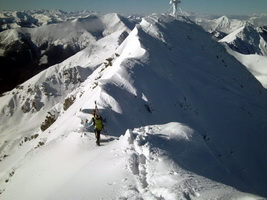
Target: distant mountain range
x,y
32,41
36,18
25,52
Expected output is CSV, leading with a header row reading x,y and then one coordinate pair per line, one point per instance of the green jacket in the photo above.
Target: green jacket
x,y
98,123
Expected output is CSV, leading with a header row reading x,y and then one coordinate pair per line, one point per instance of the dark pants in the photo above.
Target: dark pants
x,y
97,136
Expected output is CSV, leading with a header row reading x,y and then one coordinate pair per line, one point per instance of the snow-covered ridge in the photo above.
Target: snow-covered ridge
x,y
167,71
226,25
247,40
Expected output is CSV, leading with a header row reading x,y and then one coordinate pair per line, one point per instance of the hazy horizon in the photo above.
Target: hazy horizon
x,y
210,7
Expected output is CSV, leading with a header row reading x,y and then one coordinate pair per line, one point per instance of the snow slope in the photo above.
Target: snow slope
x,y
140,165
185,120
256,64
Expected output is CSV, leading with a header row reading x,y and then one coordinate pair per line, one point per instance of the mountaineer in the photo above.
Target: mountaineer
x,y
98,125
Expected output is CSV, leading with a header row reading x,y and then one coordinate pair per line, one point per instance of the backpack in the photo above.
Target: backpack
x,y
98,123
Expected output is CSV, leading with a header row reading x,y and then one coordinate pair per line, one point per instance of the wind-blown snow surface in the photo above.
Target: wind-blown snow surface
x,y
185,120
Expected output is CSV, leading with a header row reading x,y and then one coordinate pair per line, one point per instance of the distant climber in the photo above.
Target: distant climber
x,y
98,125
109,62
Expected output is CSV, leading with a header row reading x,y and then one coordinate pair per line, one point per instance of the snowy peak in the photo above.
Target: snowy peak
x,y
165,51
226,25
247,40
222,25
222,22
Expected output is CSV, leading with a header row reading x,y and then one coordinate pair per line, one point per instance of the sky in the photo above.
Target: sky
x,y
227,7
